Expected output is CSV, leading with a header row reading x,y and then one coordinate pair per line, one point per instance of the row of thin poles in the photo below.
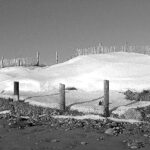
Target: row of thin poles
x,y
62,97
19,61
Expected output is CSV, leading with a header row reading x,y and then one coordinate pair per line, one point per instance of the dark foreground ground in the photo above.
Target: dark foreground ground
x,y
60,137
38,130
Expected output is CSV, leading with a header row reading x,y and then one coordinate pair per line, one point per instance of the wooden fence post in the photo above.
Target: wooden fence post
x,y
2,62
106,98
125,47
62,96
16,89
38,58
15,64
100,47
56,57
19,64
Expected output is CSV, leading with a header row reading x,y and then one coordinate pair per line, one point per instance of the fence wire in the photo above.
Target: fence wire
x,y
100,49
18,62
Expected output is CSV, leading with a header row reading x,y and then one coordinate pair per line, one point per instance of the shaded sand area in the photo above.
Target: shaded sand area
x,y
82,101
46,137
39,85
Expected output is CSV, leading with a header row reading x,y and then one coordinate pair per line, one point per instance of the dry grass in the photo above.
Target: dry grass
x,y
19,108
138,96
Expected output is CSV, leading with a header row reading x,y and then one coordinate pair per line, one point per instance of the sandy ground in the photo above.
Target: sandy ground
x,y
45,137
86,102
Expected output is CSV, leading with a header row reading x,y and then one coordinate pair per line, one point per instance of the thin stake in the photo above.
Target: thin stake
x,y
106,98
56,57
38,58
16,89
2,62
62,96
19,63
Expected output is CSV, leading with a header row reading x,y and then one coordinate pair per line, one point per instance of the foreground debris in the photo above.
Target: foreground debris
x,y
138,96
22,115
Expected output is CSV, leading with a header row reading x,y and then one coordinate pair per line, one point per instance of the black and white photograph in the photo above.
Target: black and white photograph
x,y
74,74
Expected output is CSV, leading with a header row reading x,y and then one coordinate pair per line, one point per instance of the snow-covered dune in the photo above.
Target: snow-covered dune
x,y
39,85
124,70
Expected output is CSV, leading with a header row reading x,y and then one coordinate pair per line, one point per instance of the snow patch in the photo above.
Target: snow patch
x,y
5,112
124,70
96,117
122,109
39,85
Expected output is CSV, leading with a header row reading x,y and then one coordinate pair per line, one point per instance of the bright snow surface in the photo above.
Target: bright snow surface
x,y
85,73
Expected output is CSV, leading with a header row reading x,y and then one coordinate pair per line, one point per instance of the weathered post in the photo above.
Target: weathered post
x,y
56,57
122,48
38,58
19,64
114,48
16,63
100,47
2,62
16,89
106,98
125,47
62,96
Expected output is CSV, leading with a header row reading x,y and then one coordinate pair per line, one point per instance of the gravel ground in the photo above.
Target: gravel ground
x,y
33,128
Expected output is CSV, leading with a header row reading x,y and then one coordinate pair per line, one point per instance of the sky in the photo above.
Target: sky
x,y
47,26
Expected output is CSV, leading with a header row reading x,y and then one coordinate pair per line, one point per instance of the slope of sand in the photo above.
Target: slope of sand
x,y
124,70
86,73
